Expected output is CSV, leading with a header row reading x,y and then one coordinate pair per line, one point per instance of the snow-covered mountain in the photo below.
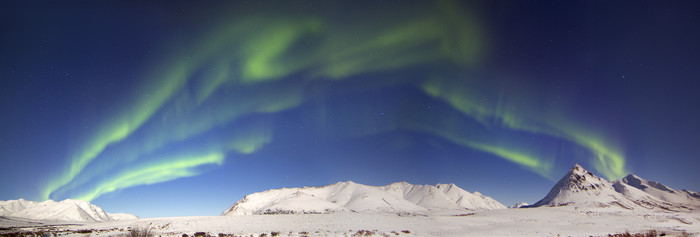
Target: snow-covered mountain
x,y
581,188
519,205
66,210
399,198
660,191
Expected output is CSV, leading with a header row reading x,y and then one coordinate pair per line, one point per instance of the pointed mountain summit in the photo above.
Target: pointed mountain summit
x,y
579,187
398,198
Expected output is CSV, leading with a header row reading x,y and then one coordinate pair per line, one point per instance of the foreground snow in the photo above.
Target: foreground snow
x,y
552,221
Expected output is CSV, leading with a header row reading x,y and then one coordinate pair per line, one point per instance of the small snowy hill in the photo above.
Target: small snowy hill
x,y
580,188
66,210
399,198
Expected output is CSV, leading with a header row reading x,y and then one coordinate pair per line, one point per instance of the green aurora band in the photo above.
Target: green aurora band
x,y
172,168
607,160
273,63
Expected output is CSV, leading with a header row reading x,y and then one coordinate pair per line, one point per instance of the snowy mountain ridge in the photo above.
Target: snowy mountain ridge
x,y
66,210
519,205
399,198
663,193
581,188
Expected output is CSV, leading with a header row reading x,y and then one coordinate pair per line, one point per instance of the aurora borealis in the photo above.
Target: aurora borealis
x,y
113,102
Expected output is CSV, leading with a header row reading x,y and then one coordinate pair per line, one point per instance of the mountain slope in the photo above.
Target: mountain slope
x,y
400,198
66,210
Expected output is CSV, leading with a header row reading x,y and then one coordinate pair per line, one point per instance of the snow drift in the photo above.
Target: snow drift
x,y
399,198
66,210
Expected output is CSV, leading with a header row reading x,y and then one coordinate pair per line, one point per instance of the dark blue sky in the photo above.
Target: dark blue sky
x,y
139,107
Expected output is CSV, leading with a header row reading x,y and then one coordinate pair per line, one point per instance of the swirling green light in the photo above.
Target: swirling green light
x,y
268,46
259,68
165,170
121,127
605,159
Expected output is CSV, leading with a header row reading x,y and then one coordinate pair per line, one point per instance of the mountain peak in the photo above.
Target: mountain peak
x,y
577,166
578,169
579,178
580,186
633,176
635,181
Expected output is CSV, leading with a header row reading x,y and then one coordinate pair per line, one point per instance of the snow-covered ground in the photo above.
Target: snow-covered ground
x,y
543,221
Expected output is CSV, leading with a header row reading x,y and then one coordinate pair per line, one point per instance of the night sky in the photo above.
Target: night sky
x,y
182,108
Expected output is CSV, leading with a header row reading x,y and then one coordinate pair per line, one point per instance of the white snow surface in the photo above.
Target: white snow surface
x,y
397,198
580,188
66,210
542,221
